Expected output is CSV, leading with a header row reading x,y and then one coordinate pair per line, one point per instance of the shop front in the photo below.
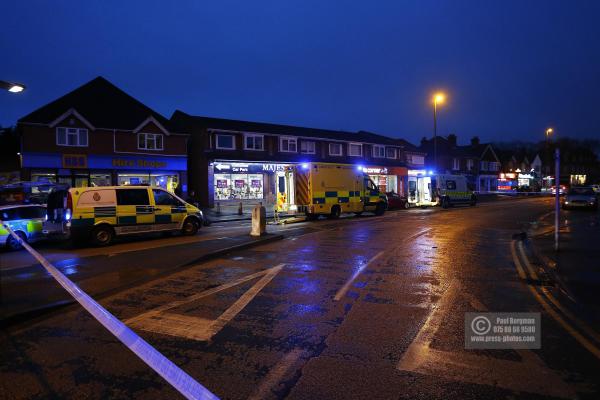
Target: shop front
x,y
232,182
83,170
388,179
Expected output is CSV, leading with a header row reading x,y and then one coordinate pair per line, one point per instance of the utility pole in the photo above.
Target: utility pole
x,y
557,197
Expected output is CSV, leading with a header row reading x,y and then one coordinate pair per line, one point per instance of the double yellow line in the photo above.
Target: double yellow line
x,y
578,329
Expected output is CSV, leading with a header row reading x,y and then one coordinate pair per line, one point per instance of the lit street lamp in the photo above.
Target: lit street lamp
x,y
438,98
12,86
549,132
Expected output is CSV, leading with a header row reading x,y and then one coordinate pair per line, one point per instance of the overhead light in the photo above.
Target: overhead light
x,y
16,88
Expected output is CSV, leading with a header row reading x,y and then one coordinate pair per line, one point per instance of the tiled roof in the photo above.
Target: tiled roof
x,y
102,104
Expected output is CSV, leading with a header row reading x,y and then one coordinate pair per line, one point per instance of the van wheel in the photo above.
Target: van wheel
x,y
190,227
445,202
380,209
473,201
13,244
102,235
335,212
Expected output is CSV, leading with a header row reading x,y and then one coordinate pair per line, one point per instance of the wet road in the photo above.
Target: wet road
x,y
368,307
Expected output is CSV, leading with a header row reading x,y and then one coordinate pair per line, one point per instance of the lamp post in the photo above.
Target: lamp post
x,y
549,132
12,86
438,98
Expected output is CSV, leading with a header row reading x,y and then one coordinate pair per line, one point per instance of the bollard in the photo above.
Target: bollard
x,y
240,210
259,221
218,208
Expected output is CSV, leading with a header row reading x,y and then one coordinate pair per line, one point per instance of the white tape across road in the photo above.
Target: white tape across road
x,y
179,379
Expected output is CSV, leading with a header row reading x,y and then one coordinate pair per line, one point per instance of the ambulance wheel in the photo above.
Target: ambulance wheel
x,y
445,203
190,227
13,244
380,209
102,235
336,211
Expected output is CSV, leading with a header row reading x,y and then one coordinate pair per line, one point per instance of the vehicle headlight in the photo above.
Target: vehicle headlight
x,y
566,202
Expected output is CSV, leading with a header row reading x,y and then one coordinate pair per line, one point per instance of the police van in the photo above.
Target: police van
x,y
98,214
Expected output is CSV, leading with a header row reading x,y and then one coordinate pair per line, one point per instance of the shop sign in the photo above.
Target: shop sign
x,y
375,170
74,161
273,167
139,163
248,167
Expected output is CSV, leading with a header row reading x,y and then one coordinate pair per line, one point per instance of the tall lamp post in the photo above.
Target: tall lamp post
x,y
549,132
12,86
438,98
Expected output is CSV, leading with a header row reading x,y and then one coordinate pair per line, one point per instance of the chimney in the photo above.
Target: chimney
x,y
423,141
452,140
475,141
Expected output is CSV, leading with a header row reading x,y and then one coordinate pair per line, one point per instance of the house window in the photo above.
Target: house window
x,y
494,166
307,147
378,151
456,164
150,141
484,166
391,152
253,142
355,149
335,149
72,137
416,160
225,142
469,165
288,144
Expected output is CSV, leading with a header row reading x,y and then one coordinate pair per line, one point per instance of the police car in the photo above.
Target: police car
x,y
26,220
98,214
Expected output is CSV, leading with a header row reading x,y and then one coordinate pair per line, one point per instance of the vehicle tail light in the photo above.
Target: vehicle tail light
x,y
69,210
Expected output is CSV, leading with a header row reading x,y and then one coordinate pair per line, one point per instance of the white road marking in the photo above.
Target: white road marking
x,y
159,320
347,285
273,378
465,366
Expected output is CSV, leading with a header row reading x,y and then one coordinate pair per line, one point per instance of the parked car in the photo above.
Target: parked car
x,y
596,188
98,214
25,220
562,190
581,197
395,201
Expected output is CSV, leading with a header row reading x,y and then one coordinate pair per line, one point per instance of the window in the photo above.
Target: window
x,y
451,185
335,149
355,149
132,197
150,141
378,151
484,166
254,142
288,144
307,147
391,152
416,160
225,142
494,166
469,164
72,137
163,198
456,164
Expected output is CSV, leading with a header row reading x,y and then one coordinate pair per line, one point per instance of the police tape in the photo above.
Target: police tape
x,y
179,379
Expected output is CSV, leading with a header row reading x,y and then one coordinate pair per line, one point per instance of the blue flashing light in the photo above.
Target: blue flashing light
x,y
359,168
68,215
304,165
431,172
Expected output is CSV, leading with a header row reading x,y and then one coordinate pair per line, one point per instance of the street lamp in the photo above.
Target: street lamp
x,y
549,132
438,98
12,86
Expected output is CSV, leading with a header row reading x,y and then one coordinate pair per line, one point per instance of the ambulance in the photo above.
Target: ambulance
x,y
328,189
439,189
98,214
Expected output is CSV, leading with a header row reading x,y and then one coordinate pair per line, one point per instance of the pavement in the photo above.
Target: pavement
x,y
576,266
362,307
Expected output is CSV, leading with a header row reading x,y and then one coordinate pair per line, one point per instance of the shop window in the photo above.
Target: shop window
x,y
225,142
75,137
150,141
238,186
335,149
253,142
100,180
307,147
355,149
391,152
287,144
132,197
378,151
43,177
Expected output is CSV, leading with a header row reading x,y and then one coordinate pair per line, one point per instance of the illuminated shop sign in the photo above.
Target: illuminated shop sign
x,y
221,167
375,170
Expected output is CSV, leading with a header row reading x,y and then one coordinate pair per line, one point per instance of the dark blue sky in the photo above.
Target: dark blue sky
x,y
511,68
